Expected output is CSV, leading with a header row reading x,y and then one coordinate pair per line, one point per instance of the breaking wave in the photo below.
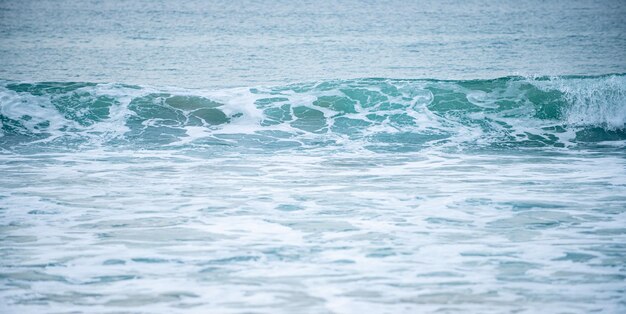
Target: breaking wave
x,y
374,114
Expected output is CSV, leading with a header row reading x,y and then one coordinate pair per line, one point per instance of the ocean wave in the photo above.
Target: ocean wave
x,y
376,114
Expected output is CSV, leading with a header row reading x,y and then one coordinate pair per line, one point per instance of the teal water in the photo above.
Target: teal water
x,y
318,157
379,115
209,43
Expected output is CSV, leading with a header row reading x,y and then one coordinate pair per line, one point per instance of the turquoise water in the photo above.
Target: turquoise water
x,y
320,157
359,115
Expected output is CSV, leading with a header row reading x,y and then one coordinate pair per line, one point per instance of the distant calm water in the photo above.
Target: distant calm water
x,y
312,157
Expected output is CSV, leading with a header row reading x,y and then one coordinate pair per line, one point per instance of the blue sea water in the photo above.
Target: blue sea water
x,y
312,157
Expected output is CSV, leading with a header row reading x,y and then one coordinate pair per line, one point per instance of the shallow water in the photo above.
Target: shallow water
x,y
159,231
318,192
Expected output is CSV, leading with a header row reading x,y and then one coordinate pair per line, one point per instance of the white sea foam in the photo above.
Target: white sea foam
x,y
432,201
338,232
597,102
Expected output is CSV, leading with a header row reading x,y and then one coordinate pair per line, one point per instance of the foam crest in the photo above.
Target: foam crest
x,y
599,102
377,114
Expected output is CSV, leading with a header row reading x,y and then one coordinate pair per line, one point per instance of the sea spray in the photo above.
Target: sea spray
x,y
378,114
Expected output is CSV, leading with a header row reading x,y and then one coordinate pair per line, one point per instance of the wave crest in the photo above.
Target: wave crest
x,y
377,114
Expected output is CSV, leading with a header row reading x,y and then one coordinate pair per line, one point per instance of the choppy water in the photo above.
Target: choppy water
x,y
316,193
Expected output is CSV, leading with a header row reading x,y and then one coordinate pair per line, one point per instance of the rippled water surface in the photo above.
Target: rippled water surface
x,y
210,43
319,157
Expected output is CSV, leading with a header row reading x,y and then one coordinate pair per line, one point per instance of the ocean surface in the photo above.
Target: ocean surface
x,y
312,157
